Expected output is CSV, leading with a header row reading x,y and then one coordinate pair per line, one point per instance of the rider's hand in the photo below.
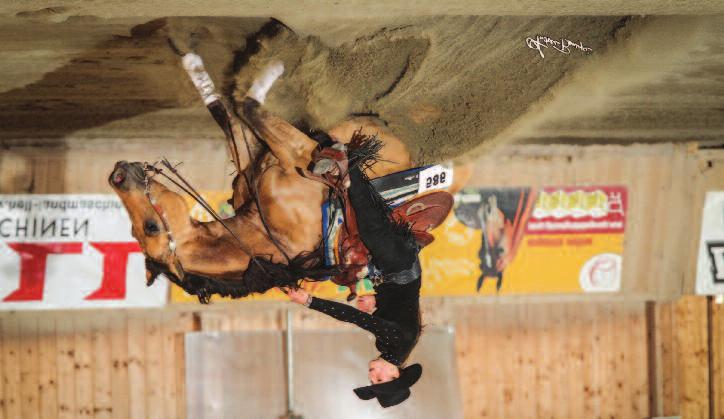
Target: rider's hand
x,y
366,303
298,295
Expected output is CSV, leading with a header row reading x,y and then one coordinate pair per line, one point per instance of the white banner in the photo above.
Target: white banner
x,y
71,251
710,266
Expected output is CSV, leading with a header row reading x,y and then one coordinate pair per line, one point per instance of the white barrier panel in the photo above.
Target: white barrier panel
x,y
71,251
330,364
710,265
235,375
242,375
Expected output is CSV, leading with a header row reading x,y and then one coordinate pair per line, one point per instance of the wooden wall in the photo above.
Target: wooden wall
x,y
525,360
93,364
640,353
572,360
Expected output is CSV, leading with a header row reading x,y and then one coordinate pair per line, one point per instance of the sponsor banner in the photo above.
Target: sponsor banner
x,y
529,241
710,262
514,241
71,251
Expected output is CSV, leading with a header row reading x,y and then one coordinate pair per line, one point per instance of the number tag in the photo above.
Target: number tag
x,y
435,177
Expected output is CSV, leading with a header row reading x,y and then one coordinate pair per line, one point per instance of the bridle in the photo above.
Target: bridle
x,y
149,171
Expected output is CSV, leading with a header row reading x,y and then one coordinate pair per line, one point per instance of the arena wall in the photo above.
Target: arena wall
x,y
650,350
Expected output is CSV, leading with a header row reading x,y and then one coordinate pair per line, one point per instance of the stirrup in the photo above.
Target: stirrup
x,y
331,164
327,158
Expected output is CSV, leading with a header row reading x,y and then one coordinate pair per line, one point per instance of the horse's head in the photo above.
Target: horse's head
x,y
158,216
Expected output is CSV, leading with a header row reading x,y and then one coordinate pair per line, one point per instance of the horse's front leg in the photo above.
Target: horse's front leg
x,y
242,144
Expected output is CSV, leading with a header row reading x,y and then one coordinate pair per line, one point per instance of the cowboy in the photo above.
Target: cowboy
x,y
393,313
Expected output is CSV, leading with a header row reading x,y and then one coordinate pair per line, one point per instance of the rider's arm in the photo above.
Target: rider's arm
x,y
349,314
374,324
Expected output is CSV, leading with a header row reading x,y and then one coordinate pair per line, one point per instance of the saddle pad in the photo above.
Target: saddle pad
x,y
396,188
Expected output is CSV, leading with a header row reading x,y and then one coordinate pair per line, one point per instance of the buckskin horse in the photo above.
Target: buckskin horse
x,y
274,237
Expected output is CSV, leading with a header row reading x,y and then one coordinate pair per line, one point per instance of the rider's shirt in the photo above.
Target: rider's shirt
x,y
395,323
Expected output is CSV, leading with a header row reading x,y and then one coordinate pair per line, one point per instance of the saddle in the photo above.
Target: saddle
x,y
422,214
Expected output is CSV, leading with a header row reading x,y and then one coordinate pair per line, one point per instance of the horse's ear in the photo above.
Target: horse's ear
x,y
150,277
152,272
176,269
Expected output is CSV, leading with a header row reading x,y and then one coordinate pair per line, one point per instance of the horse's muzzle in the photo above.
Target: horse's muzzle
x,y
126,174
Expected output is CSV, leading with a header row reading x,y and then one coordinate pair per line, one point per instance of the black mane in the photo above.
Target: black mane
x,y
261,276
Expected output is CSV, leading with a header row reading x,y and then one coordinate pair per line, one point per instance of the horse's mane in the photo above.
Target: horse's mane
x,y
261,276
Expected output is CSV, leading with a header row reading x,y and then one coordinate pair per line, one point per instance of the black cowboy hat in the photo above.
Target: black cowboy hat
x,y
392,392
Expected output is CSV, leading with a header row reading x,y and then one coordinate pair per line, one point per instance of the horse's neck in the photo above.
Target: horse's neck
x,y
211,249
248,231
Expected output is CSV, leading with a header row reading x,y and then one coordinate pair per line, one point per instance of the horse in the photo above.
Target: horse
x,y
274,236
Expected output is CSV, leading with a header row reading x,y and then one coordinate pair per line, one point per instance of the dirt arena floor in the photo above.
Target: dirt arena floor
x,y
449,86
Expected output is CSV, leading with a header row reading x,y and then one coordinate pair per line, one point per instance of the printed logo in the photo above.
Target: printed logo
x,y
716,255
601,273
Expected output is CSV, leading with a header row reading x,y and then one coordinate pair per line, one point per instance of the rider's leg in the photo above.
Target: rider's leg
x,y
392,251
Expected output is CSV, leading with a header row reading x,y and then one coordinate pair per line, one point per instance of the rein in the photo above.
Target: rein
x,y
161,214
253,192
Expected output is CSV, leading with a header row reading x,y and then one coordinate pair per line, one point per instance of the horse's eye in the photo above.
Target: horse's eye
x,y
150,227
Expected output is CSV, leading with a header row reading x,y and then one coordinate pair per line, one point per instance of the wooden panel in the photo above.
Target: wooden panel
x,y
665,374
717,347
2,377
154,369
120,388
168,380
29,368
527,360
179,360
636,378
137,365
693,355
102,365
173,396
11,366
553,360
83,358
65,334
47,363
15,172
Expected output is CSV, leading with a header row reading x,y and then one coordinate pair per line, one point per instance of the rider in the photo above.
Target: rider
x,y
393,313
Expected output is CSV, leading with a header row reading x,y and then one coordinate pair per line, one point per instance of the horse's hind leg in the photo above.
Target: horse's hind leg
x,y
291,146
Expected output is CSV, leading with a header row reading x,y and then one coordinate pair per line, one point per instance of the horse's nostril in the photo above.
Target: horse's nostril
x,y
119,175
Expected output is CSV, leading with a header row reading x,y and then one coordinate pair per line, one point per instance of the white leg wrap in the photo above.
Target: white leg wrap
x,y
194,66
264,82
